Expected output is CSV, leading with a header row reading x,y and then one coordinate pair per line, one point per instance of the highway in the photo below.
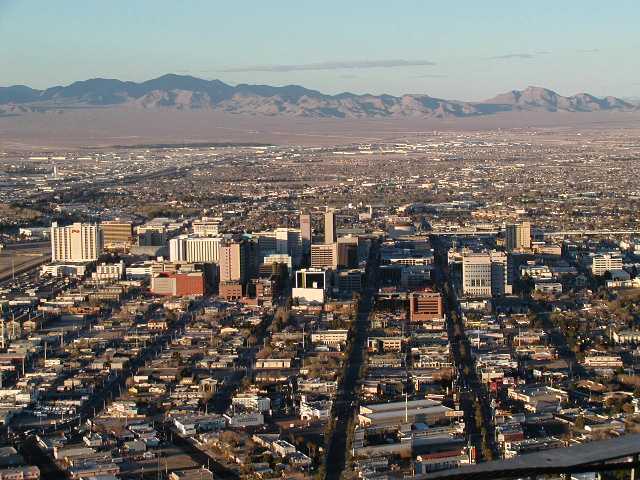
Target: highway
x,y
25,256
348,389
473,232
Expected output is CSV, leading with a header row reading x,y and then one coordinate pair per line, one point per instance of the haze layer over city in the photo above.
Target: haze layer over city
x,y
339,241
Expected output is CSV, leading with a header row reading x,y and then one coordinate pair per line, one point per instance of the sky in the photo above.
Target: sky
x,y
467,50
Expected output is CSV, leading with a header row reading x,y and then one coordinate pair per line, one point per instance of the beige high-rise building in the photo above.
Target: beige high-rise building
x,y
330,234
116,233
80,242
233,262
518,236
324,255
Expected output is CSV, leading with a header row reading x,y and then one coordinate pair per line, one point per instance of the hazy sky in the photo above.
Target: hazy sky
x,y
468,50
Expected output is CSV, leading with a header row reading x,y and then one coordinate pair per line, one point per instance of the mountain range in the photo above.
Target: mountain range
x,y
190,93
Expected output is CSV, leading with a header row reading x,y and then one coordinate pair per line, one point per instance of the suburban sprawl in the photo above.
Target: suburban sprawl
x,y
361,311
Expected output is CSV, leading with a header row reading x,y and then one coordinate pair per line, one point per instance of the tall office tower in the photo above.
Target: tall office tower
x,y
500,278
348,255
116,233
283,240
80,242
288,241
194,249
324,255
234,262
485,274
476,275
518,236
305,236
253,258
330,235
525,233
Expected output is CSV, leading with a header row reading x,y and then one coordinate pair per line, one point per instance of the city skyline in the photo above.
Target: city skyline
x,y
319,241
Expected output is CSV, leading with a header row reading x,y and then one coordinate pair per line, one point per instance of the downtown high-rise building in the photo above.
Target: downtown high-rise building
x,y
330,234
348,251
518,236
80,242
185,248
116,233
485,274
281,241
603,263
305,236
324,255
234,262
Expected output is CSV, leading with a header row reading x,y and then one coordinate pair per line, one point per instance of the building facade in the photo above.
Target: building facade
x,y
324,255
518,236
80,242
194,249
485,274
117,234
330,234
425,306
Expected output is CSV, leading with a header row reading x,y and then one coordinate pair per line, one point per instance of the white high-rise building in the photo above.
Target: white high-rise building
x,y
194,249
80,242
485,274
178,249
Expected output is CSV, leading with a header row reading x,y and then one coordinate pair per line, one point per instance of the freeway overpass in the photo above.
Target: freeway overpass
x,y
567,233
614,454
563,233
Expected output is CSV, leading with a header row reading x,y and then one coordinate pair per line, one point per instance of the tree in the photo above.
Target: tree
x,y
479,417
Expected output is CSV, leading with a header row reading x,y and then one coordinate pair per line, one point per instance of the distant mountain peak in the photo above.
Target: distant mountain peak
x,y
188,92
540,98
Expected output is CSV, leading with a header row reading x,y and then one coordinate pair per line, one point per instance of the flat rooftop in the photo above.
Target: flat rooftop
x,y
560,460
